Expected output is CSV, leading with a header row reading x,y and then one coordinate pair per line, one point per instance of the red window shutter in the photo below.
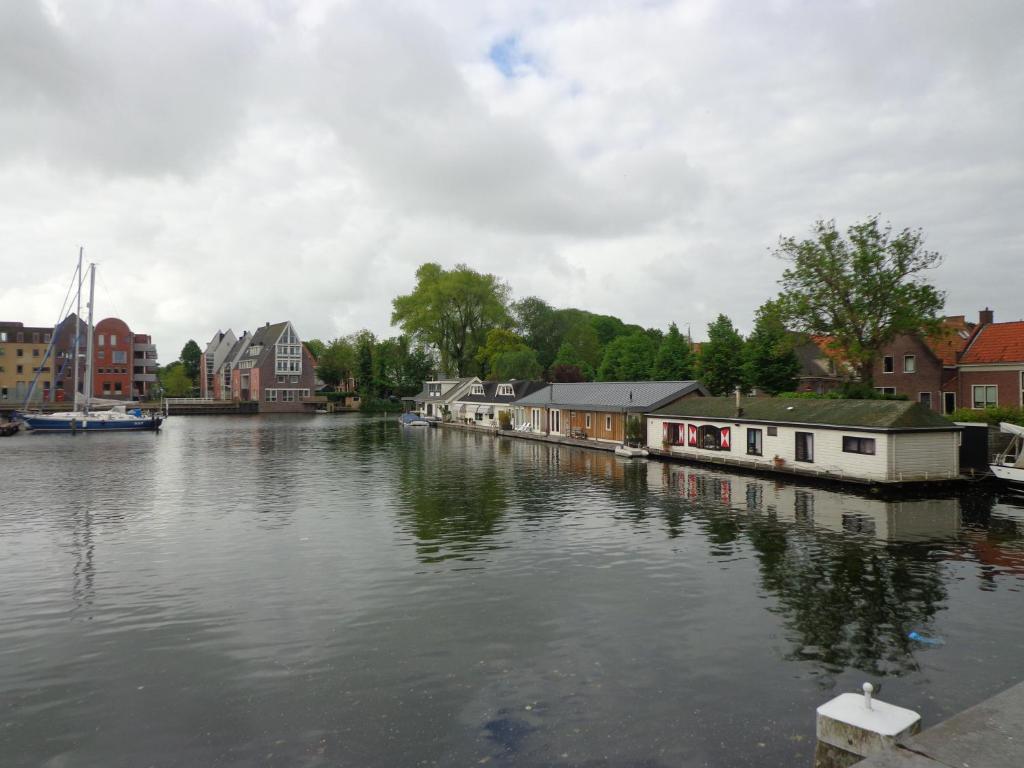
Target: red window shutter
x,y
692,435
664,431
725,437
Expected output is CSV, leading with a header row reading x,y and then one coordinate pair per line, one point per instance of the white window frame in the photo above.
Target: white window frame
x,y
588,421
921,395
478,389
608,423
913,363
887,390
986,387
505,390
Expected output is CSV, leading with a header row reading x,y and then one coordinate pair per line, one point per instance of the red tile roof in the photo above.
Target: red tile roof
x,y
950,341
997,343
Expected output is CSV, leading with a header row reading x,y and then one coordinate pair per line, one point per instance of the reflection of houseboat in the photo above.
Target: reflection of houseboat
x,y
874,441
893,519
1009,465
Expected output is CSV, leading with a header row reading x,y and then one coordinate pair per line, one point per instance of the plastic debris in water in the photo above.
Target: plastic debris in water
x,y
919,638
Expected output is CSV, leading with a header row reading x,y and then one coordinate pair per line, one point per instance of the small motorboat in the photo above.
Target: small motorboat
x,y
411,419
10,428
1008,466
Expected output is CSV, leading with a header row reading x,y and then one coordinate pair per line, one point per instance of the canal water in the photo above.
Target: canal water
x,y
338,591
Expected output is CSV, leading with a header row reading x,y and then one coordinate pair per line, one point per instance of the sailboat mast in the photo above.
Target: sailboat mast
x,y
78,331
88,345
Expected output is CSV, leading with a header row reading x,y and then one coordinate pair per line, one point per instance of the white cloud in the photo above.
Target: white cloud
x,y
237,162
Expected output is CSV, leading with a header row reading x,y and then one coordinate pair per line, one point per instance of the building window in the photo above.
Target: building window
x,y
21,369
805,446
35,353
505,390
887,364
119,357
20,352
113,340
711,438
117,387
99,340
865,445
607,423
925,398
753,442
985,395
674,434
773,431
949,402
588,420
909,364
886,390
478,389
270,396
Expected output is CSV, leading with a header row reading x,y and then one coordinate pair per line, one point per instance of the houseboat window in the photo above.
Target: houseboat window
x,y
607,423
588,421
985,395
925,398
773,431
675,434
909,364
805,446
887,364
864,445
753,442
710,438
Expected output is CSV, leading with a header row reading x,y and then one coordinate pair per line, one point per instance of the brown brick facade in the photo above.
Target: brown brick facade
x,y
927,376
1007,381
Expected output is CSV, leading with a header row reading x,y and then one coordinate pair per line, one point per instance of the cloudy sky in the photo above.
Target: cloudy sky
x,y
235,162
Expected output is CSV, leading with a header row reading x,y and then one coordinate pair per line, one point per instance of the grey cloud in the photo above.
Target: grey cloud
x,y
134,88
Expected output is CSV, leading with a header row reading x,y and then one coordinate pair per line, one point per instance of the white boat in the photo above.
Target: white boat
x,y
412,419
1009,465
86,417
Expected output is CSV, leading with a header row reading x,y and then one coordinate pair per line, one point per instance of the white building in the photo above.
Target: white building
x,y
879,441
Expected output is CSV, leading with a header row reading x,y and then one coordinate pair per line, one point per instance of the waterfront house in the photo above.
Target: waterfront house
x,y
212,360
124,363
22,360
484,400
597,410
271,366
991,370
923,367
880,441
437,396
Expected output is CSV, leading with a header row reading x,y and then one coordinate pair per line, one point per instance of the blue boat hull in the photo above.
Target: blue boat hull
x,y
146,424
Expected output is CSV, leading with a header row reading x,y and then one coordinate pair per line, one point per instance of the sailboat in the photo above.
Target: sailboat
x,y
87,416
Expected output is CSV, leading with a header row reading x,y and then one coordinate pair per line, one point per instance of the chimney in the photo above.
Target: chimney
x,y
739,406
986,316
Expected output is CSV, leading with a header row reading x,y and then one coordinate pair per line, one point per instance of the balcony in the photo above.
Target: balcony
x,y
144,347
145,362
150,377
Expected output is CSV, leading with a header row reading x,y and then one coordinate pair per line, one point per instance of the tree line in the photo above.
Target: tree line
x,y
857,292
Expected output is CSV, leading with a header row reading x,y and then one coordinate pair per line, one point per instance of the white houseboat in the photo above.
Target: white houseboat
x,y
874,441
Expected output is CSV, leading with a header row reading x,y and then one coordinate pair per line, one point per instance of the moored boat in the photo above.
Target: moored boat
x,y
411,419
1009,465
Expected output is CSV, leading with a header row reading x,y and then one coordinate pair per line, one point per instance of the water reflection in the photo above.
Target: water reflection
x,y
452,497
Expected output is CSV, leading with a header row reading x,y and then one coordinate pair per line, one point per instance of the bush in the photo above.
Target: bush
x,y
504,420
634,430
989,415
337,397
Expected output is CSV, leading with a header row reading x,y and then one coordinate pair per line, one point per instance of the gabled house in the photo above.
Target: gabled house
x,y
821,369
924,367
991,371
437,396
486,399
223,380
598,410
212,360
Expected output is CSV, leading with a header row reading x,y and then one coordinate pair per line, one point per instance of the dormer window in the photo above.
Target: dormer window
x,y
505,390
478,389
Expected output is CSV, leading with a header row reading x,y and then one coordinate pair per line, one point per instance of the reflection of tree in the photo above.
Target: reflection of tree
x,y
848,601
453,502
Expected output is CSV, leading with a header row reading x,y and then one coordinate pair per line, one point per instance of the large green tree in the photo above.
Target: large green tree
x,y
190,356
316,347
628,358
369,387
769,360
674,361
500,342
862,290
336,363
452,310
721,358
175,381
519,363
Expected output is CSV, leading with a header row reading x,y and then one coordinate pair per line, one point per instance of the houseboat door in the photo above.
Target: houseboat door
x,y
554,426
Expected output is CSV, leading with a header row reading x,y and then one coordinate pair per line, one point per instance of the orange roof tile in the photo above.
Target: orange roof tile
x,y
997,343
951,339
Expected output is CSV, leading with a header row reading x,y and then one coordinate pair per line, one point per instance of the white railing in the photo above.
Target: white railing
x,y
188,400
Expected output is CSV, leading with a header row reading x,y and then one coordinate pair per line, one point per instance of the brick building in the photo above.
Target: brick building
x,y
992,366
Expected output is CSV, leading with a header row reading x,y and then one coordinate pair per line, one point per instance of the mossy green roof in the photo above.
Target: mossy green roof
x,y
866,414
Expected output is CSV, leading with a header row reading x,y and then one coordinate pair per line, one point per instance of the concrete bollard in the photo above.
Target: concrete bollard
x,y
852,727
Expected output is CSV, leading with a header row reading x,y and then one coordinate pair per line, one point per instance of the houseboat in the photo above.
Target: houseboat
x,y
873,441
